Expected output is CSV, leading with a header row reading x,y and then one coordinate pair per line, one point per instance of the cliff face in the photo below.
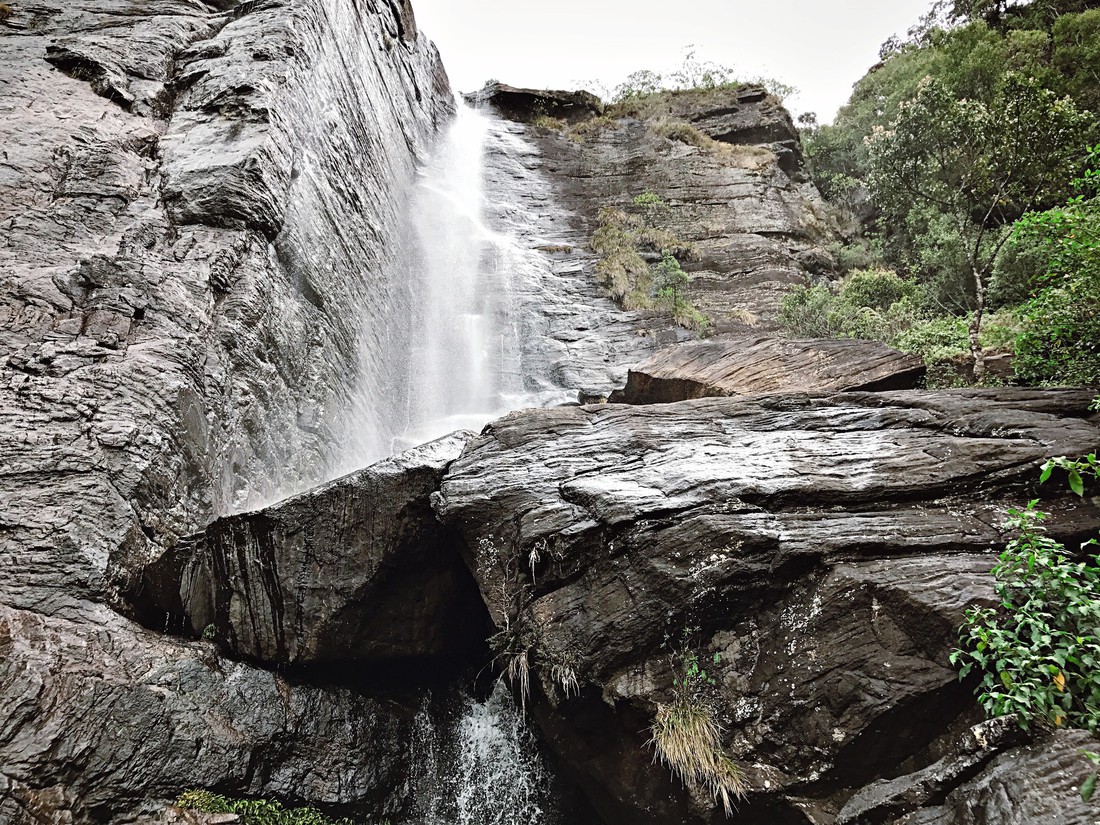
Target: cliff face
x,y
198,201
195,201
726,167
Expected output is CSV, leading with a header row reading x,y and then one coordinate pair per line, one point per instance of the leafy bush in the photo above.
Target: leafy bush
x,y
1061,339
254,811
629,279
875,305
877,288
878,305
1038,652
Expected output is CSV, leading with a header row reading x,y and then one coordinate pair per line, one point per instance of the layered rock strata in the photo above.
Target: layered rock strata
x,y
727,166
357,570
195,200
816,553
766,364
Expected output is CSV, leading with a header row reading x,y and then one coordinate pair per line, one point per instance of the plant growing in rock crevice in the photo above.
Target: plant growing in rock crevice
x,y
1039,651
622,240
518,646
686,736
254,811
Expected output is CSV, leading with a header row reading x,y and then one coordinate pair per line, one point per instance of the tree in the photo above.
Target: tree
x,y
979,164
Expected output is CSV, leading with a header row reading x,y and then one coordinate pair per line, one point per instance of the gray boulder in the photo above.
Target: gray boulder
x,y
764,364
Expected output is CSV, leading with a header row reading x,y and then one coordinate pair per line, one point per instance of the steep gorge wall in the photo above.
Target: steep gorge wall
x,y
195,202
185,255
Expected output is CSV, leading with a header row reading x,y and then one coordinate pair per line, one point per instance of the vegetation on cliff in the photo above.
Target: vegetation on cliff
x,y
961,159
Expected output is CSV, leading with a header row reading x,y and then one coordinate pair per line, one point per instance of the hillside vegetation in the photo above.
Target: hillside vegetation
x,y
965,168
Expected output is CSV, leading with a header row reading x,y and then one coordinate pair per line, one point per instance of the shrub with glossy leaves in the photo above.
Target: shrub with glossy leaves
x,y
1038,651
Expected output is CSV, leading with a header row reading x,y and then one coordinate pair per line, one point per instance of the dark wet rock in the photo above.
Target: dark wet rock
x,y
164,360
888,800
825,548
1026,786
100,716
356,570
525,105
744,365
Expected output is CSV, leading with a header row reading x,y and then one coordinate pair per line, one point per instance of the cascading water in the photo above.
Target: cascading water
x,y
475,763
454,331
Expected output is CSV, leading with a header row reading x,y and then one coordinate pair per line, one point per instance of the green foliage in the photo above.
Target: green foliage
x,y
861,253
693,74
879,305
648,199
254,811
1077,470
978,165
1014,87
622,270
1061,342
1038,653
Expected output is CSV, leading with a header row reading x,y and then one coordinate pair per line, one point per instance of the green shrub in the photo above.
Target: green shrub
x,y
1038,653
880,306
649,199
859,254
254,811
620,240
877,289
1061,339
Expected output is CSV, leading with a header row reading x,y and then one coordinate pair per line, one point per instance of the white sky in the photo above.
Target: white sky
x,y
821,47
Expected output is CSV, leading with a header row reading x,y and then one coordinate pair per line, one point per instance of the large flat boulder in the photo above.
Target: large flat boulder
x,y
817,553
765,364
357,569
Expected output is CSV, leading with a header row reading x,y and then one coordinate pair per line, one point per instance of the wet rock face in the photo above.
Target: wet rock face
x,y
195,198
727,166
358,570
824,548
182,280
101,716
764,364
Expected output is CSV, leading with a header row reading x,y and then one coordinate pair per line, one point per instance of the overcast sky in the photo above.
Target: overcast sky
x,y
821,47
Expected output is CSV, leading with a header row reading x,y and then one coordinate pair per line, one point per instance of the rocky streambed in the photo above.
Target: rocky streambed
x,y
199,205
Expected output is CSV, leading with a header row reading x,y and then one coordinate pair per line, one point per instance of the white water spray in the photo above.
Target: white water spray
x,y
480,769
453,333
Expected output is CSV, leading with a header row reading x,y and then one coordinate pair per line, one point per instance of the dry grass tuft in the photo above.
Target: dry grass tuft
x,y
519,676
688,740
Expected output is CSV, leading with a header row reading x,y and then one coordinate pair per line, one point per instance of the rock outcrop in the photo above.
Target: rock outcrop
x,y
101,716
195,201
726,165
766,364
357,570
820,550
529,104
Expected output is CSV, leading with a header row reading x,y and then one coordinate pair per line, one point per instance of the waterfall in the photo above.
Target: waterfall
x,y
452,330
476,763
